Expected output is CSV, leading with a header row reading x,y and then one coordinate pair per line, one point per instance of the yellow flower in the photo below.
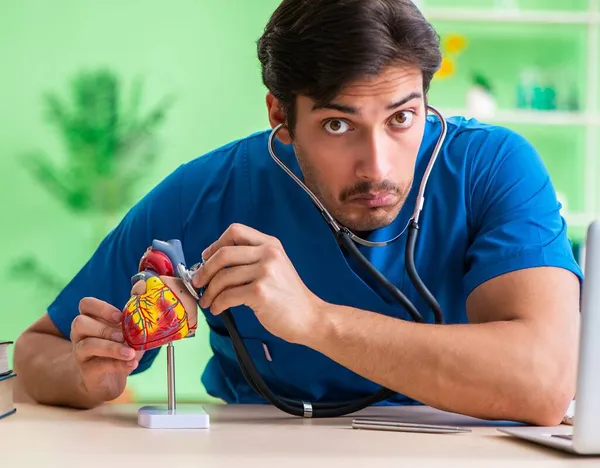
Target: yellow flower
x,y
447,68
454,44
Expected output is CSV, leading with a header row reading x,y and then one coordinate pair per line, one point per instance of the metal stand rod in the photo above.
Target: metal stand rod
x,y
171,376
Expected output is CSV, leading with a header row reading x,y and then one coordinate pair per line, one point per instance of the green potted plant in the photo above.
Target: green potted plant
x,y
109,147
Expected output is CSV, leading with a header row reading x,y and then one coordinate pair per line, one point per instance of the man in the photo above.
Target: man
x,y
349,80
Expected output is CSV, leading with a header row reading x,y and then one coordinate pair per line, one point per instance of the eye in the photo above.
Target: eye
x,y
403,119
336,127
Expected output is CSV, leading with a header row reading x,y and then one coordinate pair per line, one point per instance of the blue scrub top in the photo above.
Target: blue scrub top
x,y
490,208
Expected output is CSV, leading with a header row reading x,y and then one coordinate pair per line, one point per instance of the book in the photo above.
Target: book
x,y
5,367
7,404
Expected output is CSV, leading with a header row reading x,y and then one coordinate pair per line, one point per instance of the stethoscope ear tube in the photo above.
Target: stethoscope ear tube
x,y
409,260
346,242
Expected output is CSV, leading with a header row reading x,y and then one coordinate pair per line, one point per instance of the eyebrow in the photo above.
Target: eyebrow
x,y
352,110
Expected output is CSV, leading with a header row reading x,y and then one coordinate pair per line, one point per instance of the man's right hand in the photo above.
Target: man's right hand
x,y
103,358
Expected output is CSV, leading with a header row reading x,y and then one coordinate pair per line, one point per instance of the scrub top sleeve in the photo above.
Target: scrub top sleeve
x,y
515,219
107,273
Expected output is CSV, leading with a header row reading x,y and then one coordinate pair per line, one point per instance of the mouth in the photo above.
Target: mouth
x,y
374,199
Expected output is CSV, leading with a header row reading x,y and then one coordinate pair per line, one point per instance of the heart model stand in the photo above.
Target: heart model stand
x,y
171,416
166,258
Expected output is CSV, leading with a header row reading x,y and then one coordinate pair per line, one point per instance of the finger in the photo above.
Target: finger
x,y
189,302
138,288
228,278
85,326
237,234
228,256
175,284
247,294
100,309
106,365
89,348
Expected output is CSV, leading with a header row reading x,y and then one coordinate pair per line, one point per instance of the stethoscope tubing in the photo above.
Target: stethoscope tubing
x,y
347,240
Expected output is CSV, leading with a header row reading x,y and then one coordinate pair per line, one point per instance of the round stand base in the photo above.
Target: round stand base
x,y
183,417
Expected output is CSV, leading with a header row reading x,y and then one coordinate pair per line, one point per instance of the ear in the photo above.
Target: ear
x,y
276,117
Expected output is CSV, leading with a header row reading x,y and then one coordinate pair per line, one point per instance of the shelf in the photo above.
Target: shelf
x,y
508,16
533,117
565,44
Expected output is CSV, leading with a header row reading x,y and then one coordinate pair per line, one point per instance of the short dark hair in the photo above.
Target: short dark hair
x,y
315,47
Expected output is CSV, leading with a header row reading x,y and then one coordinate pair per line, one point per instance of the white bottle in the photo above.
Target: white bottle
x,y
480,103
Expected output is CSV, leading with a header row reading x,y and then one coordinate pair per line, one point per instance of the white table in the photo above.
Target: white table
x,y
258,436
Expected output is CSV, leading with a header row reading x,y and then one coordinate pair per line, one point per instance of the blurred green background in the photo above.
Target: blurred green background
x,y
188,80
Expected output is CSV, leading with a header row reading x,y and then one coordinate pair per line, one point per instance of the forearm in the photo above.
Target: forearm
x,y
493,370
47,372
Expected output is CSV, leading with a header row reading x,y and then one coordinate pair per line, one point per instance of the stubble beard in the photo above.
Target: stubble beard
x,y
357,219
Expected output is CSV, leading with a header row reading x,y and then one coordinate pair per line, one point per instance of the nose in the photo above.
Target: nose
x,y
376,158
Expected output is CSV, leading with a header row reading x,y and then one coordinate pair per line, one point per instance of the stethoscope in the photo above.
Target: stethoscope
x,y
347,240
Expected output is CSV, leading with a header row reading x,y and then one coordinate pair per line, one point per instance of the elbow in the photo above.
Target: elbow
x,y
549,377
20,352
31,344
549,396
21,359
550,410
535,405
25,350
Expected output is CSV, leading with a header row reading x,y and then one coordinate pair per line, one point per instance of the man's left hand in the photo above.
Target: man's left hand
x,y
247,267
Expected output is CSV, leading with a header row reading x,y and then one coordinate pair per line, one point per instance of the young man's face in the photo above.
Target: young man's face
x,y
358,152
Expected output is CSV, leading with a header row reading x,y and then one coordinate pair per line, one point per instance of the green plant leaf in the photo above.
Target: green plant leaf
x,y
104,139
30,270
56,183
139,131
